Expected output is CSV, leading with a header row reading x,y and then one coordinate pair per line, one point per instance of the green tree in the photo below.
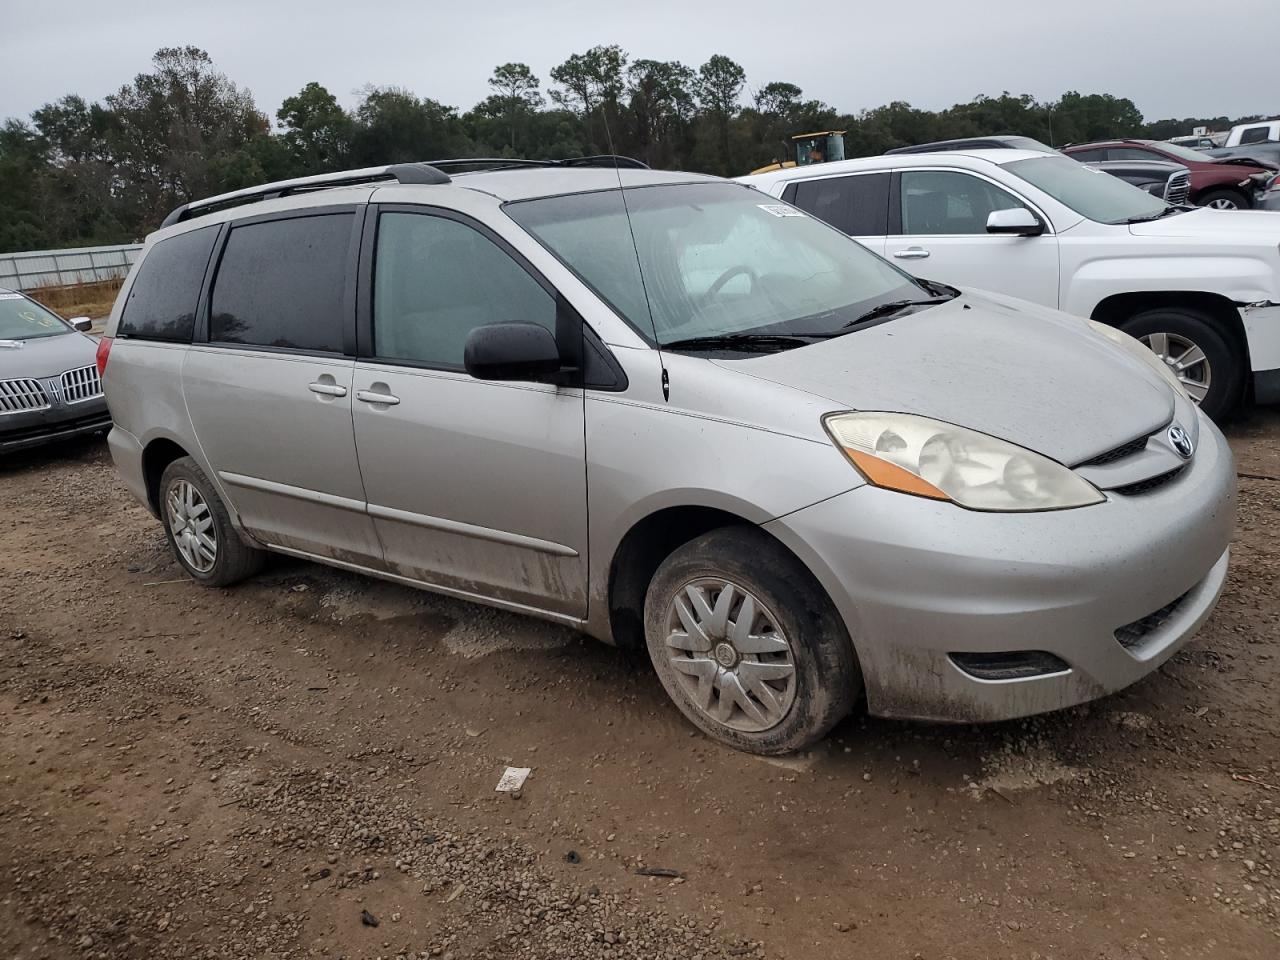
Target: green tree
x,y
718,89
515,93
394,126
317,131
661,104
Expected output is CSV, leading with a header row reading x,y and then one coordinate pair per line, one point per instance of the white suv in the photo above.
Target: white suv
x,y
1200,287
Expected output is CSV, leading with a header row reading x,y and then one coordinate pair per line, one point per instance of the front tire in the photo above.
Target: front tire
x,y
748,645
1203,358
199,529
1224,200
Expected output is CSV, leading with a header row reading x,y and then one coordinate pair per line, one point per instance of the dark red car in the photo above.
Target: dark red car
x,y
1229,183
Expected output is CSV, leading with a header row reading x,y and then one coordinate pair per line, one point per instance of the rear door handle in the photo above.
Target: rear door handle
x,y
376,396
911,253
327,389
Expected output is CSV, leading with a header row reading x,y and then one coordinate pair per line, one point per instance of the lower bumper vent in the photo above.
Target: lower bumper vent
x,y
1009,664
1133,635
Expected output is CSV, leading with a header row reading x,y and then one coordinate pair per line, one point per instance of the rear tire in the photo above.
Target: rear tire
x,y
1224,200
199,528
771,677
1174,332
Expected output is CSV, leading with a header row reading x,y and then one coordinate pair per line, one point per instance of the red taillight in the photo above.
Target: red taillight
x,y
104,351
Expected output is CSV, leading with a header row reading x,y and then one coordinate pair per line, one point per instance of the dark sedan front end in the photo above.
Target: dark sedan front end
x,y
49,384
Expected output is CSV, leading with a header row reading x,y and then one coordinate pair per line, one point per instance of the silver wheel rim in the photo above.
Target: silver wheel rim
x,y
191,524
1223,204
1186,360
730,656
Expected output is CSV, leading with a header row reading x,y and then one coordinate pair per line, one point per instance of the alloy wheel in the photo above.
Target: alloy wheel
x,y
1187,361
191,524
1222,203
730,655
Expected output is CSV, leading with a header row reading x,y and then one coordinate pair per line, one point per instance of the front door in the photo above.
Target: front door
x,y
478,487
269,393
942,235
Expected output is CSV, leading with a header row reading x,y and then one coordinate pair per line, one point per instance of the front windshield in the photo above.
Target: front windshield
x,y
718,259
1091,193
23,319
1181,152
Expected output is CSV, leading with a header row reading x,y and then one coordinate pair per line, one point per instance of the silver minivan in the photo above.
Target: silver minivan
x,y
668,410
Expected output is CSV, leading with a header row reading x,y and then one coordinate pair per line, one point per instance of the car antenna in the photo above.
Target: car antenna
x,y
662,365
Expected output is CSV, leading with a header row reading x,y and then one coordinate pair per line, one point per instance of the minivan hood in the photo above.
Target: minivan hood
x,y
1239,225
1027,374
46,356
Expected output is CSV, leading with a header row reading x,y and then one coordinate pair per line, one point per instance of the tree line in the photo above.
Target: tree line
x,y
80,172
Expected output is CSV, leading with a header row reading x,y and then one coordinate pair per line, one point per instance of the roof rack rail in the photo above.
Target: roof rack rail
x,y
400,172
430,172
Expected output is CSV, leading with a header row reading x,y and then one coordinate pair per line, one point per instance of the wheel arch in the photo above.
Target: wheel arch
x,y
1118,307
156,456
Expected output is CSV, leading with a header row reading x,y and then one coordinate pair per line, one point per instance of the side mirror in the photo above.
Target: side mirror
x,y
83,324
511,351
1018,221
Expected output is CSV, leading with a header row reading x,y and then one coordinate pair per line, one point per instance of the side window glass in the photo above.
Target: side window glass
x,y
940,202
435,280
1088,156
162,300
1255,135
859,206
281,284
1131,153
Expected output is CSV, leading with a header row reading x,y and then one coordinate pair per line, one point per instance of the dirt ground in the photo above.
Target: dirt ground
x,y
271,770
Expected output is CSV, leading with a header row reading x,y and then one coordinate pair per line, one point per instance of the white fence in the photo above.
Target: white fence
x,y
48,268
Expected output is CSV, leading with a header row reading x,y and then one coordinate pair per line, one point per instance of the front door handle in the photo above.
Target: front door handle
x,y
377,396
327,389
911,253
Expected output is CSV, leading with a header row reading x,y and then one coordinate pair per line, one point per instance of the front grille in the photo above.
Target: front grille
x,y
82,383
1178,188
1149,484
1119,453
1133,635
20,395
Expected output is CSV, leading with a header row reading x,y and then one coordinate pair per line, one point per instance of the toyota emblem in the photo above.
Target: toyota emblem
x,y
1181,441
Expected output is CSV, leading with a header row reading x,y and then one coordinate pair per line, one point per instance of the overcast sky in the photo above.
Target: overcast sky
x,y
1173,58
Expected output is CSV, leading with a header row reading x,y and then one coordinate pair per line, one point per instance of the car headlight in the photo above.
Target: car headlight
x,y
1140,350
928,458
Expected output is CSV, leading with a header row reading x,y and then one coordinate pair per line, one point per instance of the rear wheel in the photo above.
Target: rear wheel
x,y
747,644
1224,200
199,529
1202,357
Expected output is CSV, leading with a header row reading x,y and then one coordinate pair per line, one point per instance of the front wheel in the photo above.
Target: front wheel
x,y
199,529
748,645
1224,200
1205,360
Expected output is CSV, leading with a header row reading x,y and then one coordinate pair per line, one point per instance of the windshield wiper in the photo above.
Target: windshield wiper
x,y
738,341
1167,211
894,306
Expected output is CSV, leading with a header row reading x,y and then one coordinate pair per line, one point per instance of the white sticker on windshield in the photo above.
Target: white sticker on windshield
x,y
780,210
11,296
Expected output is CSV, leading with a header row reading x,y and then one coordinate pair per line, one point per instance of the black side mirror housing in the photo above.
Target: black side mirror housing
x,y
511,351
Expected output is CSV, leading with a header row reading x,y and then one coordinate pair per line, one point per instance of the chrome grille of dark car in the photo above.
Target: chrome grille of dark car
x,y
1178,188
81,384
19,395
1119,453
1132,635
1149,484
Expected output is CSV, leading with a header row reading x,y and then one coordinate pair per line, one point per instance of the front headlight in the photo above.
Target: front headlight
x,y
928,458
1140,350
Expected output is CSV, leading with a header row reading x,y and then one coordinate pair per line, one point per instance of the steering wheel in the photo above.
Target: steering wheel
x,y
728,275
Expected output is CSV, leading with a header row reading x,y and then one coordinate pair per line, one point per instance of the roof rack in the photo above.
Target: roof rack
x,y
429,172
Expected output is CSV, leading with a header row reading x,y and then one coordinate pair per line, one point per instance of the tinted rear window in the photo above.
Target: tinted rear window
x,y
857,205
281,284
162,300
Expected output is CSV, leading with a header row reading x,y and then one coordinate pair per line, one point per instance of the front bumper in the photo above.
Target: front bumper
x,y
1269,200
19,431
918,580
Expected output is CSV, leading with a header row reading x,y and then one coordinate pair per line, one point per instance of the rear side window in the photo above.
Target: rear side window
x,y
858,206
281,284
1088,156
162,300
1255,135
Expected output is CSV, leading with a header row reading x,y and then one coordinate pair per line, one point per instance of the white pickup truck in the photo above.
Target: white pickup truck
x,y
1200,287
